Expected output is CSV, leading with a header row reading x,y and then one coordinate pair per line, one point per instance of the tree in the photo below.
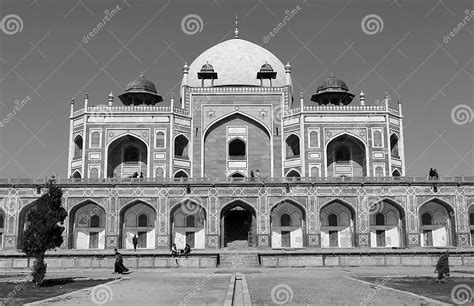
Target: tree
x,y
442,267
44,229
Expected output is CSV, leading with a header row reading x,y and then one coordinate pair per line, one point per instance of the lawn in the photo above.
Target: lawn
x,y
425,286
18,293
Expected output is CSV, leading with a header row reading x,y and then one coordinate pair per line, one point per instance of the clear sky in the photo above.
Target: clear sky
x,y
405,53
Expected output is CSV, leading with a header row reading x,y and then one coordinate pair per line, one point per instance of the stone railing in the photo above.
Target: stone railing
x,y
246,180
103,110
343,109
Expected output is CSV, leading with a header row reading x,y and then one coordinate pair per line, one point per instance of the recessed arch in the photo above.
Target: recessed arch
x,y
188,221
181,146
338,223
337,163
287,224
293,173
237,174
86,228
238,223
257,121
115,157
292,142
76,174
396,173
394,150
348,204
237,149
131,216
78,147
181,174
22,221
442,228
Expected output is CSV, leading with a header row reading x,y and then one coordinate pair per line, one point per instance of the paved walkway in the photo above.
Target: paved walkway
x,y
321,286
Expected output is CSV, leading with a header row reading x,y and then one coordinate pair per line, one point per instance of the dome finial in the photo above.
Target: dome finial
x,y
236,32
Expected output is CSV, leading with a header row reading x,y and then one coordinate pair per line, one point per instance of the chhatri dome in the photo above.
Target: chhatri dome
x,y
333,91
236,62
140,91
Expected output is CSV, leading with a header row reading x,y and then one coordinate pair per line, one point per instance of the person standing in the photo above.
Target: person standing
x,y
135,242
119,267
257,174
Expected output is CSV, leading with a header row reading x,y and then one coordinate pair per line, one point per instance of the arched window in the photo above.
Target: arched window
x,y
160,140
95,140
285,220
396,172
378,171
78,147
142,220
237,150
190,221
332,220
377,139
426,219
343,154
315,172
471,219
394,145
237,174
131,155
293,173
180,173
94,173
292,146
313,139
95,221
76,174
379,219
181,147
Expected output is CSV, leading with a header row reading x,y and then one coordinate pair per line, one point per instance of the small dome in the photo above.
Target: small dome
x,y
207,67
332,84
141,85
266,68
140,91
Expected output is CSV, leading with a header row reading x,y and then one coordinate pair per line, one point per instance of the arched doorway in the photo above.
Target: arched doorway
x,y
181,174
387,225
87,226
238,225
337,225
2,227
287,225
437,224
346,156
188,225
181,144
78,143
394,146
23,223
127,155
76,175
292,146
137,218
293,174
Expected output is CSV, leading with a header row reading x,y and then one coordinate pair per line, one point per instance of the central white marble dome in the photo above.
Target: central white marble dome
x,y
236,62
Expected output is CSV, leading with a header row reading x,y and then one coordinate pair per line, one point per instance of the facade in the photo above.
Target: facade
x,y
238,161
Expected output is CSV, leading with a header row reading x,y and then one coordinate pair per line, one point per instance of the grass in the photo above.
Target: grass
x,y
19,293
425,286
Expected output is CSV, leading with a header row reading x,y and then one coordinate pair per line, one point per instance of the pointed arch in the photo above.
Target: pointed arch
x,y
442,230
115,159
22,221
130,218
238,222
293,173
359,155
76,174
257,121
181,146
80,225
188,222
292,142
181,174
394,145
78,146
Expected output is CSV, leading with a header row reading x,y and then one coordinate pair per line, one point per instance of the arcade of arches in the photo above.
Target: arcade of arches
x,y
238,225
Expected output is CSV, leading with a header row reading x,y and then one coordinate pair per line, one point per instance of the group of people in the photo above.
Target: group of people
x,y
135,175
433,174
121,269
177,253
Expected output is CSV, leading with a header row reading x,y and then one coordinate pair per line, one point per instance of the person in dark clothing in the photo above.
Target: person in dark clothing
x,y
431,174
252,175
174,251
135,175
187,250
119,267
435,174
141,174
135,242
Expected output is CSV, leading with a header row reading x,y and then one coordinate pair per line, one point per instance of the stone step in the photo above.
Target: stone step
x,y
238,260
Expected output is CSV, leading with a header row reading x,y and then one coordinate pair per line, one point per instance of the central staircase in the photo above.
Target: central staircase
x,y
238,254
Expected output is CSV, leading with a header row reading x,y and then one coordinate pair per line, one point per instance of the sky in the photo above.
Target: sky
x,y
400,47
